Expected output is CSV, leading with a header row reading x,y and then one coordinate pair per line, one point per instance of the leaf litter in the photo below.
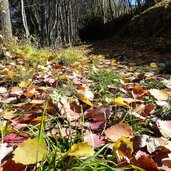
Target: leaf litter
x,y
76,112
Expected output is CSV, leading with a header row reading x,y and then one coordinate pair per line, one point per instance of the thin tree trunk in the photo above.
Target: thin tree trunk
x,y
24,20
5,21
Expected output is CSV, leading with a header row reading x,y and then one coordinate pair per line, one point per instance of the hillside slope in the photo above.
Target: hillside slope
x,y
155,21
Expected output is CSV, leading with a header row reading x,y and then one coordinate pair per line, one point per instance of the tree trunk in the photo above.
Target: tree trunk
x,y
5,21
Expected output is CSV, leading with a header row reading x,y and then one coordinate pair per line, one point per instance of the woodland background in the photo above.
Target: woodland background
x,y
62,22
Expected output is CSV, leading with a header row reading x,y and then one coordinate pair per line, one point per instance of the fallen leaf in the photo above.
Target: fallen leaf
x,y
93,139
24,84
119,101
37,101
159,94
97,125
145,141
153,65
4,150
81,149
15,139
165,128
117,131
144,161
31,150
3,90
16,91
124,147
102,113
10,74
167,83
84,99
10,165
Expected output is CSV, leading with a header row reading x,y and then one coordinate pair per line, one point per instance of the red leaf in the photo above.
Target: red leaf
x,y
144,161
15,139
10,165
117,131
102,113
96,125
93,139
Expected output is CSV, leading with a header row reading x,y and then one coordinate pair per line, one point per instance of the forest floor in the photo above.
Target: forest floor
x,y
101,106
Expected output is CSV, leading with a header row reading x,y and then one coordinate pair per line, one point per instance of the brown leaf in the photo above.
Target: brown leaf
x,y
97,125
144,161
10,165
16,91
102,113
94,140
117,131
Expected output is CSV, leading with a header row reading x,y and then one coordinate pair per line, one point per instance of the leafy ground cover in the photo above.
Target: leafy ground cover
x,y
75,110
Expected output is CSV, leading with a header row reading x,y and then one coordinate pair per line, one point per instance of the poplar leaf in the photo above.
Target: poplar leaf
x,y
30,151
24,84
10,74
159,94
119,101
124,146
153,65
85,100
81,149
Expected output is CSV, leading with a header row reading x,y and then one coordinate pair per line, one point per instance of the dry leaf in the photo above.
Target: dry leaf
x,y
117,131
119,101
144,161
81,149
10,74
165,128
159,94
85,100
4,150
24,84
93,139
10,165
30,152
153,65
124,147
102,113
37,101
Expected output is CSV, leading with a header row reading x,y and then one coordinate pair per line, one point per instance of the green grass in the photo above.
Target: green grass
x,y
154,83
102,79
69,56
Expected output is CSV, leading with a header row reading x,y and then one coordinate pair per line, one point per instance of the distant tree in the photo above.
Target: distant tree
x,y
5,20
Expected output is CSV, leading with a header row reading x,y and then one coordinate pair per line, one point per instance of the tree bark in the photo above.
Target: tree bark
x,y
5,20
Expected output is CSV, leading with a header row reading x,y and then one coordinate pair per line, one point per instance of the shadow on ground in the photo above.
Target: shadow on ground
x,y
131,50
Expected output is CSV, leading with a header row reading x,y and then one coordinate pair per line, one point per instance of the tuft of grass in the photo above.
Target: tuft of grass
x,y
154,83
69,56
102,78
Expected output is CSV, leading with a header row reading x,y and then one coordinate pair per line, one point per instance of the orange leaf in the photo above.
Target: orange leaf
x,y
85,100
10,74
117,131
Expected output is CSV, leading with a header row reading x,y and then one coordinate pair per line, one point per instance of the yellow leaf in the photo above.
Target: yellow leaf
x,y
81,149
159,94
62,77
24,84
124,146
80,67
153,65
8,129
85,100
100,56
119,101
10,74
30,151
37,101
